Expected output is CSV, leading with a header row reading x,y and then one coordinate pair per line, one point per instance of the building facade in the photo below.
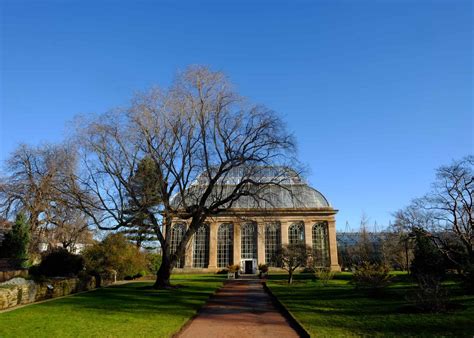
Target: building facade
x,y
250,233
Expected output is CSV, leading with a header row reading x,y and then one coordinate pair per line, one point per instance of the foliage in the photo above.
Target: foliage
x,y
233,268
263,268
324,275
115,253
147,191
59,263
16,241
429,269
372,277
293,256
153,262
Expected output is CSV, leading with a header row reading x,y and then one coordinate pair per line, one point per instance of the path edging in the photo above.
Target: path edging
x,y
294,323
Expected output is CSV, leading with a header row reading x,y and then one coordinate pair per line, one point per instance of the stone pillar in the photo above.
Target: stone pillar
x,y
284,232
308,233
237,244
213,245
261,243
333,246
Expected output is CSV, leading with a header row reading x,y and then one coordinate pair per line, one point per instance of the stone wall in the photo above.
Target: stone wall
x,y
19,291
10,274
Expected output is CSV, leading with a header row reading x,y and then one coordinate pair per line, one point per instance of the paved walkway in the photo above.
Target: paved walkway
x,y
241,308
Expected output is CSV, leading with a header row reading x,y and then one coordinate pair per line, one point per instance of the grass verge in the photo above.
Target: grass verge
x,y
339,310
129,310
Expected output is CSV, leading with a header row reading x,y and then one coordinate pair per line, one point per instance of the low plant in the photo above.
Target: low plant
x,y
324,275
263,268
371,277
233,268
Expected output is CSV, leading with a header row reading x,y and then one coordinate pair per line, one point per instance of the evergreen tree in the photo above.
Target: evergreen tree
x,y
16,241
146,189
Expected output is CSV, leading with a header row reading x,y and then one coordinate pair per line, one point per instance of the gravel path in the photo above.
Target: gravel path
x,y
239,309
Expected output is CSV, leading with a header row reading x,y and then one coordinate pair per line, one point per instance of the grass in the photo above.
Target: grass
x,y
127,310
339,310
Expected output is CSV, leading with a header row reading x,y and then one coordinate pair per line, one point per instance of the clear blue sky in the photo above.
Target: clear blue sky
x,y
378,93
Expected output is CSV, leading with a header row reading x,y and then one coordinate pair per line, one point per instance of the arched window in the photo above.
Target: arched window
x,y
177,233
321,244
296,233
249,241
201,247
225,245
272,243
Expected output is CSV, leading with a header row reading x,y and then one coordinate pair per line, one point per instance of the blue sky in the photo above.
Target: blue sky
x,y
378,93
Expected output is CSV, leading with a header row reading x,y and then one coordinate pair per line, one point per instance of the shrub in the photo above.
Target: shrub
x,y
116,253
324,275
60,263
372,277
263,268
153,262
429,269
233,268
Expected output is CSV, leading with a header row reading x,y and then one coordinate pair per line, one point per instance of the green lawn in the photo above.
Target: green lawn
x,y
339,310
132,309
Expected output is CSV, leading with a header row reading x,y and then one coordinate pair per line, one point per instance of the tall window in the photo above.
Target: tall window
x,y
296,233
272,243
177,233
249,241
201,247
225,245
321,244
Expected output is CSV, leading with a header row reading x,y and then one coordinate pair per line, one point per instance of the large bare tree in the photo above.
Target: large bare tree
x,y
31,186
209,146
446,213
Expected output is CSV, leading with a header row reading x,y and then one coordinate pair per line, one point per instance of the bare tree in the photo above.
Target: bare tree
x,y
30,187
446,213
292,257
451,204
201,137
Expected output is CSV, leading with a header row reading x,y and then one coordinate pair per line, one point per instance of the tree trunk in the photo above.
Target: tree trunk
x,y
290,277
163,275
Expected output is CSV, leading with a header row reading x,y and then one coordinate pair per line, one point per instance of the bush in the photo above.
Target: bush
x,y
233,268
429,269
116,253
263,268
153,262
59,263
324,275
372,277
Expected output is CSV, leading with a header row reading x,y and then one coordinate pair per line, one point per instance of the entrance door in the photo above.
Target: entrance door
x,y
248,267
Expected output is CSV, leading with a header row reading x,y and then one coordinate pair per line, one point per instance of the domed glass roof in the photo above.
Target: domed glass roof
x,y
285,191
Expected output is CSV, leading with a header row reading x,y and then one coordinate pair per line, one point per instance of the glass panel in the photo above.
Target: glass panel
x,y
177,233
249,241
272,243
225,245
296,233
321,244
201,247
